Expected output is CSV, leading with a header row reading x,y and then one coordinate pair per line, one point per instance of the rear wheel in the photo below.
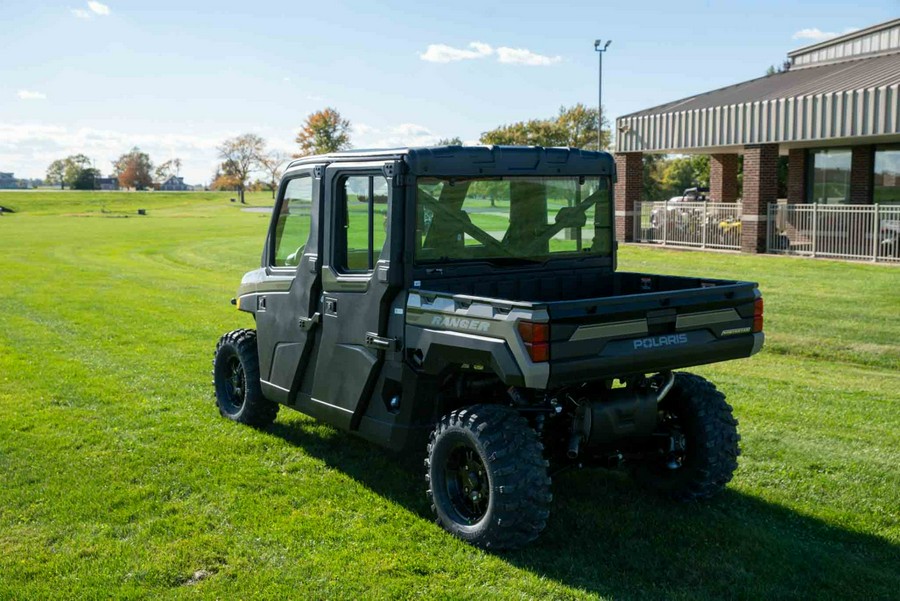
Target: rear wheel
x,y
236,378
487,477
701,456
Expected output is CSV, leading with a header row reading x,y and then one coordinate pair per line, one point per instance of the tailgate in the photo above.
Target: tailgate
x,y
650,332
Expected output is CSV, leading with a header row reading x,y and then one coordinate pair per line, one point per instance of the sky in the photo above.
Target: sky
x,y
177,78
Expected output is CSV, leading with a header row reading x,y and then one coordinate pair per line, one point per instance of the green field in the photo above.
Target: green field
x,y
119,479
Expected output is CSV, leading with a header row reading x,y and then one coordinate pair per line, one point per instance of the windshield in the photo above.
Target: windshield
x,y
512,219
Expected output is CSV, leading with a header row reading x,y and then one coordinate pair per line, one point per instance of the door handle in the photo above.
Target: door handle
x,y
308,323
380,342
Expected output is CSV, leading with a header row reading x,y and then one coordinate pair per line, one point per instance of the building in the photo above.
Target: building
x,y
174,184
106,183
834,113
8,181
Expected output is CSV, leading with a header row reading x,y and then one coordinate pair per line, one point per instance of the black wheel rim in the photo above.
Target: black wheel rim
x,y
466,481
235,385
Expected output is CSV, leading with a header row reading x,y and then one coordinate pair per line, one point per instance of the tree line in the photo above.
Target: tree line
x,y
326,131
134,169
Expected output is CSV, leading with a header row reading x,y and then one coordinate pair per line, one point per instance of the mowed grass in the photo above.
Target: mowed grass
x,y
119,479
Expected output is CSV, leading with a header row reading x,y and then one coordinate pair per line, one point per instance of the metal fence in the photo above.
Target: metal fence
x,y
860,232
692,224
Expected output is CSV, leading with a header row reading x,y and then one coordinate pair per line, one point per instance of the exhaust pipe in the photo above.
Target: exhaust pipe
x,y
670,381
574,445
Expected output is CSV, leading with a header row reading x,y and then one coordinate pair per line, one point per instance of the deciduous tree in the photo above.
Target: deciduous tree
x,y
168,169
56,172
324,131
134,169
66,172
575,126
271,163
85,179
240,157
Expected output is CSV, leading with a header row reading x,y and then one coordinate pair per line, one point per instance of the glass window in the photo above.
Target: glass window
x,y
364,201
830,176
886,184
512,219
292,227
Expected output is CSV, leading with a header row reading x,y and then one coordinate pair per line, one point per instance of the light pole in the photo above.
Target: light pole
x,y
600,52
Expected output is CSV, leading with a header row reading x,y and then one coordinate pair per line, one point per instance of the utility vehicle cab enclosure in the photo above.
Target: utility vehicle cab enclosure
x,y
465,301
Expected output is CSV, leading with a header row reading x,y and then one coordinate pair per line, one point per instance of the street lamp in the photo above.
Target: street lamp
x,y
600,52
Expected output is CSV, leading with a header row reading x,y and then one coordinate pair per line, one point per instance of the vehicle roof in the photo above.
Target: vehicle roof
x,y
479,160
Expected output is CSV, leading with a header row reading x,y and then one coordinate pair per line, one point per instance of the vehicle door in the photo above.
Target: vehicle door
x,y
287,312
363,234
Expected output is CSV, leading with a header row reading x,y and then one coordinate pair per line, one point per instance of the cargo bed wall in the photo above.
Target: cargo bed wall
x,y
551,286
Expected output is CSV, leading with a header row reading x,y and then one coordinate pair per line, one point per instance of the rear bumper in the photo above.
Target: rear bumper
x,y
621,358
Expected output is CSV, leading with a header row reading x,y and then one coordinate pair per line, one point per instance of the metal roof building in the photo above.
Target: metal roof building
x,y
835,112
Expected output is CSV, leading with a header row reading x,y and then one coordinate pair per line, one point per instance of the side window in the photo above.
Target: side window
x,y
363,209
292,227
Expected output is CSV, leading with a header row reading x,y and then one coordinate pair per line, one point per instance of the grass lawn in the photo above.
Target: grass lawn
x,y
119,479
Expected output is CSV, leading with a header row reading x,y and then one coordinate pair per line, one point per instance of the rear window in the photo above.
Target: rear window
x,y
512,219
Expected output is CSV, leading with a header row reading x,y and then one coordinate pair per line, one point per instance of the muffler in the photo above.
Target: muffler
x,y
624,413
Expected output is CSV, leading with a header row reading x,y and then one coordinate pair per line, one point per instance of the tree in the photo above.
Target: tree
x,y
56,173
271,162
575,126
222,180
323,132
85,179
580,124
74,166
537,132
454,141
168,169
651,188
240,157
134,169
67,171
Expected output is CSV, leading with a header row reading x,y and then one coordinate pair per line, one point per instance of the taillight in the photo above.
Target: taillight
x,y
536,337
758,315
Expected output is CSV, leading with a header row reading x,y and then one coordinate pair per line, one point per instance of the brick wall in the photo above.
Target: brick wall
x,y
629,186
862,166
796,185
760,189
723,170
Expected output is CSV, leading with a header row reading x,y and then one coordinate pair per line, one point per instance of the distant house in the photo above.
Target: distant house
x,y
174,184
8,182
106,183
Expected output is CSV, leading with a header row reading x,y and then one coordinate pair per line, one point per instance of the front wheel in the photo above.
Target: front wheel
x,y
487,477
701,455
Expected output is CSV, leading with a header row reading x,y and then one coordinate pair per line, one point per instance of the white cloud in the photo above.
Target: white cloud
x,y
27,148
441,53
362,129
80,13
817,35
404,134
523,56
98,7
31,95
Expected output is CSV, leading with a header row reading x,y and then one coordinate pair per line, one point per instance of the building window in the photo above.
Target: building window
x,y
886,184
829,176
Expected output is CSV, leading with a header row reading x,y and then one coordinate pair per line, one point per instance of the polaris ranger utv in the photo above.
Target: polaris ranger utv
x,y
465,301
